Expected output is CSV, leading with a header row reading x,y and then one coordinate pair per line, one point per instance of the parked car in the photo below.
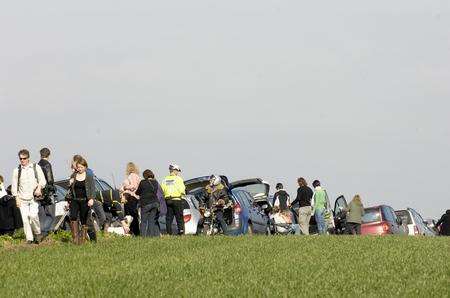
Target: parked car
x,y
414,223
381,220
245,216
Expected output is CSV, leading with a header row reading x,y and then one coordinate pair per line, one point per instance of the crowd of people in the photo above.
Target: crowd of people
x,y
29,200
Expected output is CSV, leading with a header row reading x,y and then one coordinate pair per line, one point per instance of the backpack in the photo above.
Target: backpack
x,y
35,176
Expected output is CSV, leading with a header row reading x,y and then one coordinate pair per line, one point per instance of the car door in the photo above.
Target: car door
x,y
256,216
398,227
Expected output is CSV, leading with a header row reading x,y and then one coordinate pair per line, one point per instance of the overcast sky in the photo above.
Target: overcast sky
x,y
354,93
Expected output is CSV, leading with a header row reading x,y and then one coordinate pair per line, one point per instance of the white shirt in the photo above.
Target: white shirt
x,y
2,190
28,182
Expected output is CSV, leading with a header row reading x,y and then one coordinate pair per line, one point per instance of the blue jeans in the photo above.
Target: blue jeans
x,y
319,215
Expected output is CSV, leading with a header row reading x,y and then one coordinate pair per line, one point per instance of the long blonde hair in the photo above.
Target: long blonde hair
x,y
131,168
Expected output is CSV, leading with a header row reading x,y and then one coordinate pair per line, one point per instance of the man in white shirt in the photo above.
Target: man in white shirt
x,y
27,183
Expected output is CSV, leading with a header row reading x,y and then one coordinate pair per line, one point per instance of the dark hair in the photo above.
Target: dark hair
x,y
24,152
45,152
279,186
148,174
77,158
1,179
316,183
302,182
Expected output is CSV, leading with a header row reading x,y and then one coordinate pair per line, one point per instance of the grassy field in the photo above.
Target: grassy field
x,y
222,266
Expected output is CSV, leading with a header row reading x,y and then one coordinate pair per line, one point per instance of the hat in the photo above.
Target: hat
x,y
174,167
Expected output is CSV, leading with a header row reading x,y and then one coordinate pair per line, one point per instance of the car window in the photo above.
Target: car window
x,y
393,215
405,216
259,190
240,196
387,215
60,195
371,215
105,186
341,203
98,187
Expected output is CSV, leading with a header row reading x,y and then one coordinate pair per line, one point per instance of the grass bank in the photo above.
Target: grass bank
x,y
222,266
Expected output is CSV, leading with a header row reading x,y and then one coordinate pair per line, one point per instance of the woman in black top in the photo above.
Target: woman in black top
x,y
82,189
149,203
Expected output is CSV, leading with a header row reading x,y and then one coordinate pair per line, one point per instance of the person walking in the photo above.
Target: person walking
x,y
281,198
304,196
82,190
128,189
444,224
46,206
173,189
319,202
149,204
355,212
28,181
97,207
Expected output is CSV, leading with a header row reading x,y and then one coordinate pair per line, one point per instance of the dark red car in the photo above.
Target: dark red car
x,y
381,220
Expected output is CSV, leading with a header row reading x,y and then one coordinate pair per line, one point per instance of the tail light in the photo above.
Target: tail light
x,y
187,218
416,230
385,227
237,208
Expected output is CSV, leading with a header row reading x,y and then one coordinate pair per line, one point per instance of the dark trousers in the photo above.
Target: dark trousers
x,y
353,228
149,220
79,208
174,209
220,218
131,209
46,218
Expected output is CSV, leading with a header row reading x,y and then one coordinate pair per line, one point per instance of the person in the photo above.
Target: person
x,y
319,202
47,208
28,181
444,224
149,204
128,189
281,198
355,212
10,218
304,196
82,190
110,200
218,196
174,189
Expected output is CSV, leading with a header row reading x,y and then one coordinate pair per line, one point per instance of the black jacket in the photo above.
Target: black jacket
x,y
48,172
444,223
304,196
148,192
90,186
283,198
10,218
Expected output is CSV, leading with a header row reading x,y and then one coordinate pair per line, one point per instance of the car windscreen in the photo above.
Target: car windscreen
x,y
371,215
256,190
405,216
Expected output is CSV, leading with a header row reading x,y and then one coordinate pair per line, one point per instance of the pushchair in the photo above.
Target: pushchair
x,y
281,223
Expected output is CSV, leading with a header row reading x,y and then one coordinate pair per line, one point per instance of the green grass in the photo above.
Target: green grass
x,y
222,266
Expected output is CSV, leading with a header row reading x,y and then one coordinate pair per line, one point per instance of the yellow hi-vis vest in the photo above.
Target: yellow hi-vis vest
x,y
173,187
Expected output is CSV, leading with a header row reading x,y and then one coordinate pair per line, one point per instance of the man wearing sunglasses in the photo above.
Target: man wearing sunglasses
x,y
27,183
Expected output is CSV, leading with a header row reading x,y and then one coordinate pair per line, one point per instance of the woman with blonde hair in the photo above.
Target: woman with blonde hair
x,y
129,187
355,212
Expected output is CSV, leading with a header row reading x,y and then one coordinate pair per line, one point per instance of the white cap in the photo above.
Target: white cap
x,y
174,167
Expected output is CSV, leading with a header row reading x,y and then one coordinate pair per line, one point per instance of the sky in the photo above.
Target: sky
x,y
353,93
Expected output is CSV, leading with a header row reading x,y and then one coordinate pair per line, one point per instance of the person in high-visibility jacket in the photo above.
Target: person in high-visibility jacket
x,y
174,189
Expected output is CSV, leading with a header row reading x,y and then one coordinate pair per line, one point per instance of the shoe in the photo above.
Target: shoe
x,y
30,242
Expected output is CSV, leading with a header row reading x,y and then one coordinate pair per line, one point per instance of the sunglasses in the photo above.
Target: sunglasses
x,y
23,158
